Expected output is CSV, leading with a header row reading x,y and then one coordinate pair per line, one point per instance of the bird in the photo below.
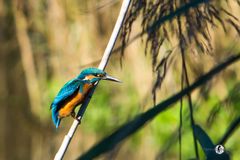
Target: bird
x,y
74,92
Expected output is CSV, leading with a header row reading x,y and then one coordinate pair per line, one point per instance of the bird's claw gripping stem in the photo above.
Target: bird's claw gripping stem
x,y
73,114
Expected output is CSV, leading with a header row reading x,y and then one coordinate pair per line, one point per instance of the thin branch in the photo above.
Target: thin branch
x,y
232,127
178,12
190,105
157,24
182,43
59,155
180,120
134,125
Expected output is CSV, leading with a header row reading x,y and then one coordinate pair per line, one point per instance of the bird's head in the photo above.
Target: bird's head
x,y
93,75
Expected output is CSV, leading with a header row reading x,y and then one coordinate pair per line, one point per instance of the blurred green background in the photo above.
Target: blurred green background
x,y
43,44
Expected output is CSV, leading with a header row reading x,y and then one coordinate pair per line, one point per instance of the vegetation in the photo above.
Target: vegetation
x,y
169,48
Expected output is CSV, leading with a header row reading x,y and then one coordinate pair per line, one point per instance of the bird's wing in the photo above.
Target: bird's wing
x,y
66,91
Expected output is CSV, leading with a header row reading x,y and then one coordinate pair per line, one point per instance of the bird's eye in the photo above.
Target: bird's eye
x,y
98,75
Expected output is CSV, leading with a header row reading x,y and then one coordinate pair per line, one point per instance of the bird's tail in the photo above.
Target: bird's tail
x,y
55,118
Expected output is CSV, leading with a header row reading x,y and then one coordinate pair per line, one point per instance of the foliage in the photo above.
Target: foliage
x,y
190,22
63,37
140,120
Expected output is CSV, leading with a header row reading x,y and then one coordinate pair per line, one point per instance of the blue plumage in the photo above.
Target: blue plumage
x,y
92,71
55,118
71,94
66,92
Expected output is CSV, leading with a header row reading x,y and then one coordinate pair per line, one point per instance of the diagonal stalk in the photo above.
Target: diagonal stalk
x,y
230,130
67,139
132,126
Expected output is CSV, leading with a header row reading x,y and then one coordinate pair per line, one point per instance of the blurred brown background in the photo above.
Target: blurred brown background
x,y
45,43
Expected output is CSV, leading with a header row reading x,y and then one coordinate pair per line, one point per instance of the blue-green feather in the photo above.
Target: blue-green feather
x,y
55,118
66,92
90,71
70,88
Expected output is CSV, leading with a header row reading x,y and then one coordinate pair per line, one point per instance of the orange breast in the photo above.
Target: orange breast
x,y
69,106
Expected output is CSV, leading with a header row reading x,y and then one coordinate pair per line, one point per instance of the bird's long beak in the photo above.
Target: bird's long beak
x,y
110,78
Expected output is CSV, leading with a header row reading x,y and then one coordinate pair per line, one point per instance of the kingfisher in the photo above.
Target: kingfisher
x,y
74,92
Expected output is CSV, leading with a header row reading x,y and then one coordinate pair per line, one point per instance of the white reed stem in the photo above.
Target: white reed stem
x,y
67,139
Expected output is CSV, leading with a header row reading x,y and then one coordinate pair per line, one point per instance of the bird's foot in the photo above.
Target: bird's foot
x,y
73,114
